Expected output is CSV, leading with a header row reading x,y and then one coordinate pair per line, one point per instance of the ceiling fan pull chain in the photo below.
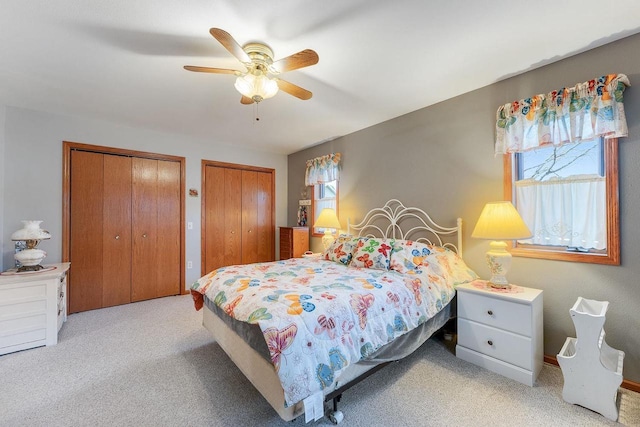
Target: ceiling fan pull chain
x,y
257,113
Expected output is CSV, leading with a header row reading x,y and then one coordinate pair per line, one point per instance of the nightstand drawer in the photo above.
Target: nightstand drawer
x,y
494,312
502,345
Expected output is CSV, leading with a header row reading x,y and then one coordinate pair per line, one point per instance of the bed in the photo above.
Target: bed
x,y
303,330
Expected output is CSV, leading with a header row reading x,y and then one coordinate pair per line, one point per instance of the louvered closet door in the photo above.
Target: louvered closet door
x,y
116,236
86,235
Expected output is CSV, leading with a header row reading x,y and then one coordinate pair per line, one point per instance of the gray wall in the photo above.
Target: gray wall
x,y
32,171
440,158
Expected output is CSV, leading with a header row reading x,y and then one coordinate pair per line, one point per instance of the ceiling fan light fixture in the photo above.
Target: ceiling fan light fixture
x,y
256,86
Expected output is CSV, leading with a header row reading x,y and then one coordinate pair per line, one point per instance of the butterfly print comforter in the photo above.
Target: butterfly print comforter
x,y
318,317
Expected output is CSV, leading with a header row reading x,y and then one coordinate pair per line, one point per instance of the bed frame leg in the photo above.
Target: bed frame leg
x,y
336,416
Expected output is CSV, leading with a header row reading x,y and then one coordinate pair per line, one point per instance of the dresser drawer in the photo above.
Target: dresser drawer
x,y
25,308
28,321
495,312
502,345
22,337
17,293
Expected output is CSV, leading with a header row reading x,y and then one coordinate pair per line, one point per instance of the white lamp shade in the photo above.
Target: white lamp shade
x,y
327,219
500,221
256,87
31,231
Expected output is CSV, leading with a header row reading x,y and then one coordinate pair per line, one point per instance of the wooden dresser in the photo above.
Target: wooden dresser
x,y
33,307
294,241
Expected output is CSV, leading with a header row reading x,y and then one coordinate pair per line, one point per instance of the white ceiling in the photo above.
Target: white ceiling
x,y
121,60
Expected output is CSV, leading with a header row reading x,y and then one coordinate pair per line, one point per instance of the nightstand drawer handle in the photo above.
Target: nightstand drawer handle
x,y
490,342
490,312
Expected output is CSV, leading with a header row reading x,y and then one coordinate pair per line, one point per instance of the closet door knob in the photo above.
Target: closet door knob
x,y
144,235
233,232
118,237
249,231
490,312
490,342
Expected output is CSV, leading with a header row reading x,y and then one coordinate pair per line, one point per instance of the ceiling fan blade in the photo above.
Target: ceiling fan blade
x,y
230,44
246,100
294,90
301,59
211,70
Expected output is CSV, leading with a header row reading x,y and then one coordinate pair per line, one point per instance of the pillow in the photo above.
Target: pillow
x,y
450,265
371,252
341,250
407,256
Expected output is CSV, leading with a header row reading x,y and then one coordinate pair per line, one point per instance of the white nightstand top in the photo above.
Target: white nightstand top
x,y
312,255
53,270
515,293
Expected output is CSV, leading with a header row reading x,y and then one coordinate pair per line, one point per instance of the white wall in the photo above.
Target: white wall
x,y
33,172
2,173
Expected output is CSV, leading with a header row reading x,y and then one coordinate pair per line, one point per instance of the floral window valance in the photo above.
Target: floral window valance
x,y
323,169
583,112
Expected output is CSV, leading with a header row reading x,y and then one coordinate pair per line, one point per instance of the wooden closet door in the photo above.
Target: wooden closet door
x,y
86,235
232,239
168,233
213,217
264,218
237,215
249,217
144,228
116,241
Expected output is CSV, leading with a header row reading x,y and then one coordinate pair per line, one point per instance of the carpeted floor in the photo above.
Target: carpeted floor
x,y
153,364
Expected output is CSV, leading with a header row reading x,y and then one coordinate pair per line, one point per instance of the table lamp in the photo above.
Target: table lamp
x,y
30,258
329,221
500,221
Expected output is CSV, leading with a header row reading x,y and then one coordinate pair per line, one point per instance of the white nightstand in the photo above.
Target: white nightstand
x,y
501,330
33,307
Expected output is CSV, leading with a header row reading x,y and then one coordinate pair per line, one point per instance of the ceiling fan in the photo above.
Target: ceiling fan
x,y
260,80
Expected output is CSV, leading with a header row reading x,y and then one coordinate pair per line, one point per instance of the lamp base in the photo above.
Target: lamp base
x,y
498,285
327,239
30,268
499,261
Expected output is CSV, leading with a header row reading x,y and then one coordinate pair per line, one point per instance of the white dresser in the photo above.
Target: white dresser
x,y
33,307
501,330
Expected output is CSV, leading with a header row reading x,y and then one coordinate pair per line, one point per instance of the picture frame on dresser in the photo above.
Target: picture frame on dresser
x,y
501,329
33,307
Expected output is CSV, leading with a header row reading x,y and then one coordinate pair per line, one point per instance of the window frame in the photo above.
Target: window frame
x,y
315,233
612,255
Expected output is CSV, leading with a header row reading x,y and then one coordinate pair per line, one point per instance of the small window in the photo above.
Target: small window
x,y
567,196
325,195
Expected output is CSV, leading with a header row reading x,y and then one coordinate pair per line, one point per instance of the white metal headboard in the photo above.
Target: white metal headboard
x,y
386,221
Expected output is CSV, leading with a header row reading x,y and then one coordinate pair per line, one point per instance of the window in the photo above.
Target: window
x,y
325,195
568,197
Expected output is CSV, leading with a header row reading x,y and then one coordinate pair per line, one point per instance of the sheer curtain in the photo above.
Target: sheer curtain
x,y
564,212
